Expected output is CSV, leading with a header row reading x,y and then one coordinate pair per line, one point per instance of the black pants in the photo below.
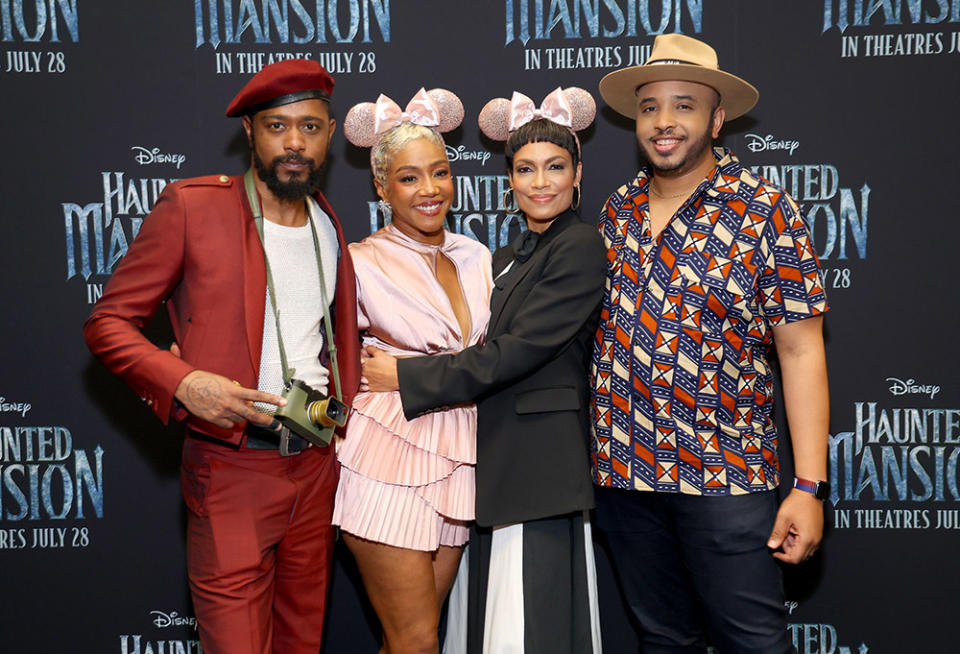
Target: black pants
x,y
696,570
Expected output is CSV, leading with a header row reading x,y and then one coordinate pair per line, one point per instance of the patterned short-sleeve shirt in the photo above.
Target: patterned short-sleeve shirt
x,y
682,389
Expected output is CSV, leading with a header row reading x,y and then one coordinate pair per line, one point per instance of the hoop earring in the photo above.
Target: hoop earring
x,y
576,205
385,209
503,201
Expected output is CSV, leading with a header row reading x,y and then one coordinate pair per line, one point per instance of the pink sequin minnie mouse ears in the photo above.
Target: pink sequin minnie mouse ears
x,y
573,108
367,122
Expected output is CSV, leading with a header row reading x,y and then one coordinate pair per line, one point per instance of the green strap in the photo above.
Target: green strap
x,y
254,199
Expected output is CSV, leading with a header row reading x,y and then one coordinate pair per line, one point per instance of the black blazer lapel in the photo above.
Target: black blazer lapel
x,y
505,284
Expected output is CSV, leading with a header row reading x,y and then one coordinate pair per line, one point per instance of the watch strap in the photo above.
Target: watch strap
x,y
819,489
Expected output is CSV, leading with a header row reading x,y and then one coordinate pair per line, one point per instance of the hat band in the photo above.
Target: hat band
x,y
309,94
659,62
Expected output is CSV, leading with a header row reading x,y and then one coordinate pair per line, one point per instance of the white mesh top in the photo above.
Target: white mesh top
x,y
294,268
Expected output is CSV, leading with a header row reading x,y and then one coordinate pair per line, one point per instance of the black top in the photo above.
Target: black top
x,y
529,378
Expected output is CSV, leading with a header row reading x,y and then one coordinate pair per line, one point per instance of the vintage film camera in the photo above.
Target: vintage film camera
x,y
310,414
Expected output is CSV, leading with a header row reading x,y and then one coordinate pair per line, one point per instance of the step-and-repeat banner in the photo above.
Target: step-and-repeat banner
x,y
105,102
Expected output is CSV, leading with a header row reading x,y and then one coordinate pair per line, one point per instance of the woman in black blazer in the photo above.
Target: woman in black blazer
x,y
530,552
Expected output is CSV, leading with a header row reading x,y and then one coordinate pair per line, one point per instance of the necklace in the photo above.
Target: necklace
x,y
669,197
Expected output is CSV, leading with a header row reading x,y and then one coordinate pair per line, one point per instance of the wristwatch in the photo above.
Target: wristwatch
x,y
819,489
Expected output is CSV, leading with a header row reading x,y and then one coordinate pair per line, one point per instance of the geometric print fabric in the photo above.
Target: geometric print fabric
x,y
683,393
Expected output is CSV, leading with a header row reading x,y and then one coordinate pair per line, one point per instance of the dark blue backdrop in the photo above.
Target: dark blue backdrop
x,y
104,102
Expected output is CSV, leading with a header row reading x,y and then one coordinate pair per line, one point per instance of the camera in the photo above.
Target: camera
x,y
310,414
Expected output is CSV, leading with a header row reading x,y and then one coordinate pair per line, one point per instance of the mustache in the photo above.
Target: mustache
x,y
292,158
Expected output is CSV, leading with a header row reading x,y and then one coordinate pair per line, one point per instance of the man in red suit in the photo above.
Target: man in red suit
x,y
260,498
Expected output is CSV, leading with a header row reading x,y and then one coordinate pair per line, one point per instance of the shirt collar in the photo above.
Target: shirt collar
x,y
419,246
723,183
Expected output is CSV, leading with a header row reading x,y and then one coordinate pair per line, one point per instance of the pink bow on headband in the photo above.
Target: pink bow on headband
x,y
554,107
421,110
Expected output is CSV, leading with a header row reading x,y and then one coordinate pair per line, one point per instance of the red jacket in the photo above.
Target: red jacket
x,y
199,252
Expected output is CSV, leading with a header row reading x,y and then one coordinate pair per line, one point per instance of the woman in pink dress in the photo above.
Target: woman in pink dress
x,y
406,492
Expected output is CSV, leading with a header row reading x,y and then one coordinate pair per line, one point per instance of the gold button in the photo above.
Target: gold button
x,y
224,179
149,402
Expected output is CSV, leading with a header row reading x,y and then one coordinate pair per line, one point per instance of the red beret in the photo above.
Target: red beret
x,y
291,80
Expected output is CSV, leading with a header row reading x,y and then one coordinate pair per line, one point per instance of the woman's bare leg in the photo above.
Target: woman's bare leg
x,y
446,560
403,591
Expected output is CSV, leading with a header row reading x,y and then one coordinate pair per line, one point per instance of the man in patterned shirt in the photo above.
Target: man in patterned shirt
x,y
708,266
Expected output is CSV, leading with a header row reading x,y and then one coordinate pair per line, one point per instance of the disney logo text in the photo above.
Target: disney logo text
x,y
144,156
910,386
14,407
460,153
162,620
757,143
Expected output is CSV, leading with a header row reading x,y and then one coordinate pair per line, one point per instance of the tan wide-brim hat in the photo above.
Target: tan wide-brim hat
x,y
678,57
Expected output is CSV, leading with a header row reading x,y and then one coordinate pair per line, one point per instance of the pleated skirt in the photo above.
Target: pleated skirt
x,y
406,483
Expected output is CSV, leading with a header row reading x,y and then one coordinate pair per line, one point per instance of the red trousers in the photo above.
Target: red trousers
x,y
259,546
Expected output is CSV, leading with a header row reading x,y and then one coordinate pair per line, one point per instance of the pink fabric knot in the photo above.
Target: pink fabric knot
x,y
421,110
554,107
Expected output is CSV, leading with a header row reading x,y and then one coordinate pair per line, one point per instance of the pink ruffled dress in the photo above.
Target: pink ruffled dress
x,y
410,483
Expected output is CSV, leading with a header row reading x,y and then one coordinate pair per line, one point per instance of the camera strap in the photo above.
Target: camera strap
x,y
254,199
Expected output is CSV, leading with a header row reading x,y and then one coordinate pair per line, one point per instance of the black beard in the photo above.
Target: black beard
x,y
699,145
291,190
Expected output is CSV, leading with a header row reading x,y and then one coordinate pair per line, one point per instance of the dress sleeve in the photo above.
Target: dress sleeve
x,y
359,266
